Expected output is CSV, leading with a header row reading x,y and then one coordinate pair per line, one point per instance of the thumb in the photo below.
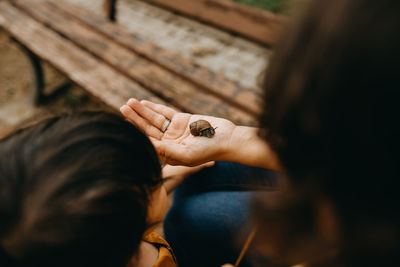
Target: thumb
x,y
204,165
208,164
227,265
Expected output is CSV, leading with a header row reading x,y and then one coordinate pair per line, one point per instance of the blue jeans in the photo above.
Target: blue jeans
x,y
211,210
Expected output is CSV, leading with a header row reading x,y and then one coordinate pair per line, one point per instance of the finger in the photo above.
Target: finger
x,y
171,169
143,124
202,166
162,109
155,118
208,164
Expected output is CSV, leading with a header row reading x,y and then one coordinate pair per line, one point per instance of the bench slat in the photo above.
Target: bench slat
x,y
259,25
77,65
173,89
233,92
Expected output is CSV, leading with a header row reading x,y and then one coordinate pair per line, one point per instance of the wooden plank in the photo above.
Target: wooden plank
x,y
254,24
248,99
173,89
100,81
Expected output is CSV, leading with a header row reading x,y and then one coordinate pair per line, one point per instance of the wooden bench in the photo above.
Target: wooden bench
x,y
258,25
113,65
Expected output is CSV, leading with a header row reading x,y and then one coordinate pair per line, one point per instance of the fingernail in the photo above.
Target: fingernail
x,y
131,101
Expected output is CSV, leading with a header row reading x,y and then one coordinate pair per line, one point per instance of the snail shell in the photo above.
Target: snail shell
x,y
202,128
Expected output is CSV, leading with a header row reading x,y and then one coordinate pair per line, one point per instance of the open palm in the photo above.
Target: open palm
x,y
176,145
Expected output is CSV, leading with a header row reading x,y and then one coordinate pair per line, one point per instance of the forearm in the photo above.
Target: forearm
x,y
246,147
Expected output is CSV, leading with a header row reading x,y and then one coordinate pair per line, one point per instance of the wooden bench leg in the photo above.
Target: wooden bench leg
x,y
38,80
39,84
110,8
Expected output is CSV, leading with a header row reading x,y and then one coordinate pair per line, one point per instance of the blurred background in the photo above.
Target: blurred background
x,y
233,56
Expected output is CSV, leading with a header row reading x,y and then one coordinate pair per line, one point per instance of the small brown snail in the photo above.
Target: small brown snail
x,y
202,128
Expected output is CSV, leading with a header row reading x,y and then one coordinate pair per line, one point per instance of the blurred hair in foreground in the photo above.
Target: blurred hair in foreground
x,y
331,114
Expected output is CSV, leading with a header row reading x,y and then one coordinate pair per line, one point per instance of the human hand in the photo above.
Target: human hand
x,y
175,175
183,171
176,146
227,265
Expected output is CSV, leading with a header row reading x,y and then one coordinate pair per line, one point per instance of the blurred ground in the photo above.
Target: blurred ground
x,y
219,51
15,90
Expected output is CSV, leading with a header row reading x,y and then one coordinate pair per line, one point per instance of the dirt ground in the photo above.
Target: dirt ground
x,y
16,89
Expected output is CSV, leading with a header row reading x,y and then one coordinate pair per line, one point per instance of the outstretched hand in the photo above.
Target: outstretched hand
x,y
177,146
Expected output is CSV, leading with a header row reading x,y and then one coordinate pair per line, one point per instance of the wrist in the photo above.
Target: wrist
x,y
240,136
246,147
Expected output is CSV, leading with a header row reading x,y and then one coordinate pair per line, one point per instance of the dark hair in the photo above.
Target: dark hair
x,y
331,114
74,191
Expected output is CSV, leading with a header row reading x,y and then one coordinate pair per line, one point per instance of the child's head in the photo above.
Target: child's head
x,y
75,191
